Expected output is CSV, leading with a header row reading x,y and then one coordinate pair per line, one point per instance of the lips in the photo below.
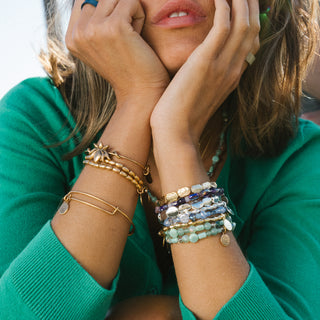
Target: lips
x,y
179,12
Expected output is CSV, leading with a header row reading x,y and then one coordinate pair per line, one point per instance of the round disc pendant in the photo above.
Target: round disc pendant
x,y
64,208
225,240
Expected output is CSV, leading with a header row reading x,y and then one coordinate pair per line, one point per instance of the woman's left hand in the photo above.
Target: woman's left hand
x,y
210,74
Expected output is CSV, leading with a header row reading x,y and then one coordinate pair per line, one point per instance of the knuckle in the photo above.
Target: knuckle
x,y
77,38
90,33
256,44
113,29
256,28
243,27
234,77
224,29
72,43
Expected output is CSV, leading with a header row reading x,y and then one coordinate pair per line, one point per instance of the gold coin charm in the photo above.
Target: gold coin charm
x,y
225,240
64,208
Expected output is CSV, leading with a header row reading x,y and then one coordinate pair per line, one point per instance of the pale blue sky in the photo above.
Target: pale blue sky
x,y
22,34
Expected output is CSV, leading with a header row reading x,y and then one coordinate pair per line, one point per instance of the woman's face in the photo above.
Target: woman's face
x,y
174,28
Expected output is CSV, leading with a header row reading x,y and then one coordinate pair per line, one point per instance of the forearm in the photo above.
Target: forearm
x,y
95,239
208,273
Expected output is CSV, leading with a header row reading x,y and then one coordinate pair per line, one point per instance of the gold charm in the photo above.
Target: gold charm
x,y
64,208
99,153
225,240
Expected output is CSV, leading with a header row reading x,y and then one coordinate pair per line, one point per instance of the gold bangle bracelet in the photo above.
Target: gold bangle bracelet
x,y
64,208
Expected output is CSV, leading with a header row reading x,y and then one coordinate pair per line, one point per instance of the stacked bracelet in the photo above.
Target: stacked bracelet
x,y
64,208
195,206
100,157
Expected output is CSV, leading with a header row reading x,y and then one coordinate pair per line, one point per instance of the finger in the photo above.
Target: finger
x,y
105,8
77,23
240,24
132,12
75,15
251,44
255,24
244,35
219,33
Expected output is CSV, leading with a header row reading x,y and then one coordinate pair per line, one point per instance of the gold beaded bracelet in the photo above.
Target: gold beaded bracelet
x,y
64,208
122,170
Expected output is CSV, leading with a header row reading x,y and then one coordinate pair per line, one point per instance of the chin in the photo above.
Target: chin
x,y
174,62
175,53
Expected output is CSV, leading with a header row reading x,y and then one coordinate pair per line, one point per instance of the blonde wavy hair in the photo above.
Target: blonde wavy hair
x,y
264,108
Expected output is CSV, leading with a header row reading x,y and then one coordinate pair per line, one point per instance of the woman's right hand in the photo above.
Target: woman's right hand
x,y
107,38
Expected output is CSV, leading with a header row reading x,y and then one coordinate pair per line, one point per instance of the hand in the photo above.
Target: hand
x,y
107,38
147,307
210,74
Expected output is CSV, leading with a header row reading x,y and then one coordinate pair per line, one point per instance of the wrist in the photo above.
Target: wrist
x,y
179,164
146,96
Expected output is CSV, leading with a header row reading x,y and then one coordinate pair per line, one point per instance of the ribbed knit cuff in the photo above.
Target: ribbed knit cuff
x,y
252,301
54,285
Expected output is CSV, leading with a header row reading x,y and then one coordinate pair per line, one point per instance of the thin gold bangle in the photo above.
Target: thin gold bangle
x,y
68,197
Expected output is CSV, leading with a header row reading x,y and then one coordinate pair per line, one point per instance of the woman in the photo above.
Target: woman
x,y
173,69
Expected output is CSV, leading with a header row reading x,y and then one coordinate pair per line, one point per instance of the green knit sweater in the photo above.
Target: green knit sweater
x,y
276,201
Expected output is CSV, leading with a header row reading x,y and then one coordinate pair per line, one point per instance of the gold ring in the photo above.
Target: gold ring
x,y
250,58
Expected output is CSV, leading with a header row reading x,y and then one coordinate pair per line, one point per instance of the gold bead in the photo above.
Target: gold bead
x,y
172,196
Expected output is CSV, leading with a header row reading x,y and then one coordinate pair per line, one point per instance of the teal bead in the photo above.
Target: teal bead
x,y
192,229
180,232
207,225
215,231
200,227
173,240
215,159
173,233
202,235
193,237
185,238
220,223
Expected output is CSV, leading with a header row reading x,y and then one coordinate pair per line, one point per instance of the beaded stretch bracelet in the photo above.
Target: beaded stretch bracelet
x,y
195,215
192,232
192,197
186,191
189,207
65,206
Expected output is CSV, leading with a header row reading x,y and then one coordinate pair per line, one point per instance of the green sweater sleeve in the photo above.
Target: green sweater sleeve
x,y
282,241
39,278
